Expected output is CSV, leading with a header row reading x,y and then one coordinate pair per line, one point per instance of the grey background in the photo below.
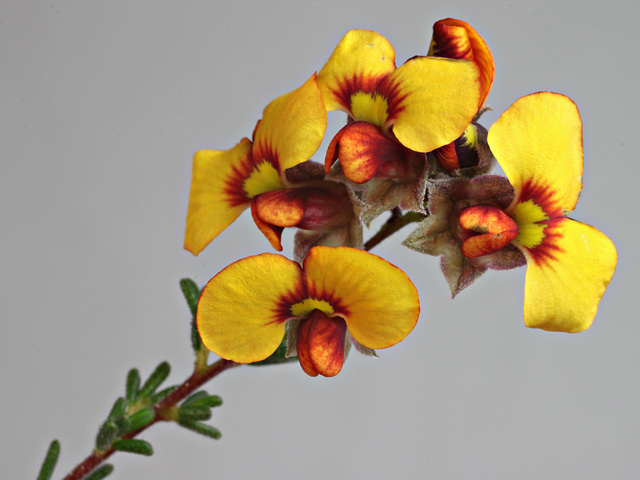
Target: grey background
x,y
103,104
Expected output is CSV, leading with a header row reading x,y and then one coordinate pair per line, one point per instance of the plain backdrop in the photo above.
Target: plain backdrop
x,y
103,104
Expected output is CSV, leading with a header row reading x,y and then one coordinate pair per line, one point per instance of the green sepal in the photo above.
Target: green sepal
x,y
118,410
201,428
162,394
194,412
133,445
279,356
106,435
141,419
203,398
101,472
158,376
133,385
50,461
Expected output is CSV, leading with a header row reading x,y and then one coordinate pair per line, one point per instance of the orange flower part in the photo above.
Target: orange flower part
x,y
243,310
496,230
457,39
223,183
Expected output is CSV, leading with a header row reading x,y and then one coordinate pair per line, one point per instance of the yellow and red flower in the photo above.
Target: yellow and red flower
x,y
225,183
339,295
456,39
538,143
394,112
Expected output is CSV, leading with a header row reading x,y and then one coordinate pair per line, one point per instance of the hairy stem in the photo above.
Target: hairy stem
x,y
198,378
395,222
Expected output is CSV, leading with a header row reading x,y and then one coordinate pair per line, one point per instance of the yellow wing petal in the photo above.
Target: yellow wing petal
x,y
432,101
242,311
292,127
562,290
538,140
376,299
359,62
217,197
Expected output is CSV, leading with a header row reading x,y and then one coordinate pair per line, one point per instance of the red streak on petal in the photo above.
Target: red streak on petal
x,y
451,42
545,197
546,253
354,84
542,195
266,151
391,90
282,309
234,185
333,299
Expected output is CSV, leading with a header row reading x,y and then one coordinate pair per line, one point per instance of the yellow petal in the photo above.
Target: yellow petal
x,y
217,197
432,101
454,38
538,140
292,127
242,311
564,286
376,299
359,62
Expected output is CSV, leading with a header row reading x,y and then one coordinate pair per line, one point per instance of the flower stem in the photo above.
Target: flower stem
x,y
392,225
198,378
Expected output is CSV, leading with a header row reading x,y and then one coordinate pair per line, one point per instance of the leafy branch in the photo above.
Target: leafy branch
x,y
143,405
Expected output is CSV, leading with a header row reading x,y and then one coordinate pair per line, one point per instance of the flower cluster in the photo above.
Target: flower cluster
x,y
412,144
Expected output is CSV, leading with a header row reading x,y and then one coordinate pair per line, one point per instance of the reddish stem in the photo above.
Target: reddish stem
x,y
395,222
197,379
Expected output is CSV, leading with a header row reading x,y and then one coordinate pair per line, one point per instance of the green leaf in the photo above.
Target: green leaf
x,y
209,401
106,435
133,385
191,293
141,419
194,397
201,428
118,410
50,460
158,376
133,445
100,472
123,424
194,412
156,397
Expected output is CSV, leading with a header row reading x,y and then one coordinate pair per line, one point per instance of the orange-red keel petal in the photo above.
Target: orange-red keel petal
x,y
320,344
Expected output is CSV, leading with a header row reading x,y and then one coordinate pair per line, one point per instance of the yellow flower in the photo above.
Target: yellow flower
x,y
243,310
426,103
225,183
538,144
